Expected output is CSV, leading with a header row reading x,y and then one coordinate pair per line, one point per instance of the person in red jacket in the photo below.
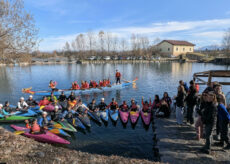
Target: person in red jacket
x,y
100,83
34,128
118,77
75,86
44,102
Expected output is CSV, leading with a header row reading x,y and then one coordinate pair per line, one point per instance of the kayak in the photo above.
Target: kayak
x,y
146,117
76,122
67,126
134,116
124,116
47,137
36,109
59,132
81,91
14,118
113,115
49,108
104,115
29,113
95,116
85,120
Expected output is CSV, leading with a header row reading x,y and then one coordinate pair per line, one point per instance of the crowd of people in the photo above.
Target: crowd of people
x,y
211,108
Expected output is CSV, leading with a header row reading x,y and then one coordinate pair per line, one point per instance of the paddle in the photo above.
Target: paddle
x,y
18,132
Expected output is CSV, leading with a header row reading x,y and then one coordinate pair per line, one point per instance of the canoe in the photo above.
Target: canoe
x,y
134,116
77,123
67,126
29,113
80,92
104,115
114,115
59,132
95,116
14,119
146,117
85,120
124,116
47,137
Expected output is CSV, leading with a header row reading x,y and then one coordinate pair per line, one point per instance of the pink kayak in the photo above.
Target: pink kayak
x,y
46,137
146,117
134,116
49,108
124,116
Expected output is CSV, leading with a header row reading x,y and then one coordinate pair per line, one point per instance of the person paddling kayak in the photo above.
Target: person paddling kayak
x,y
44,101
92,106
56,114
124,107
44,121
102,105
22,105
118,77
134,107
68,114
34,127
113,105
146,106
53,85
75,86
31,101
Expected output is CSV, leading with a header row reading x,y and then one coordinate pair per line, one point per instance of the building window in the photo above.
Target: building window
x,y
177,49
190,49
183,49
168,49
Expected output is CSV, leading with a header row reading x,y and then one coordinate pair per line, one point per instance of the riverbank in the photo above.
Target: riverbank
x,y
19,149
177,144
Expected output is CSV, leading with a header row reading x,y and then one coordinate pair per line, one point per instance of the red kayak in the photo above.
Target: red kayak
x,y
146,117
46,137
124,116
134,116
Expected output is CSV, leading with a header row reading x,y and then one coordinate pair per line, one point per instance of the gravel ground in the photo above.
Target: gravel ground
x,y
19,149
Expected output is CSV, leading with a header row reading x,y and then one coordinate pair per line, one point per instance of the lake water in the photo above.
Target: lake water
x,y
154,78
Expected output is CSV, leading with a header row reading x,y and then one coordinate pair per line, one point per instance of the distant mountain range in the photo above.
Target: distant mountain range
x,y
210,47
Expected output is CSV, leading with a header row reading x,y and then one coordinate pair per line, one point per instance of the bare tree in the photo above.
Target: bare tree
x,y
91,40
226,41
18,33
123,44
114,43
101,36
108,39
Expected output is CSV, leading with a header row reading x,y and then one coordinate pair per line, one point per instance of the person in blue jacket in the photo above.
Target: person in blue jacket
x,y
44,121
224,119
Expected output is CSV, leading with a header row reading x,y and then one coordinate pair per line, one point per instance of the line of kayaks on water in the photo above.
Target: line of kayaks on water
x,y
80,91
60,129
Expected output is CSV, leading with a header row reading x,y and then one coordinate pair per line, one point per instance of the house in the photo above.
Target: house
x,y
175,47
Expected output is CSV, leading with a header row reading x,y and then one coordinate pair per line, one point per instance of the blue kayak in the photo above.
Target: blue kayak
x,y
104,115
95,116
29,113
85,120
76,122
114,114
80,92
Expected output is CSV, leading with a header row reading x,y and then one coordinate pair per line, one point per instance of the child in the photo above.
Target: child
x,y
34,128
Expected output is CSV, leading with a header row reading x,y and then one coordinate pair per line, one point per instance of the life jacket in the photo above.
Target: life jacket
x,y
94,84
75,86
104,84
86,85
43,102
35,128
146,107
101,84
72,103
28,126
107,82
52,85
83,85
118,74
113,106
124,107
197,87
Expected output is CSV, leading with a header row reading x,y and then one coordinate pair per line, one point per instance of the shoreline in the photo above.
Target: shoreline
x,y
20,149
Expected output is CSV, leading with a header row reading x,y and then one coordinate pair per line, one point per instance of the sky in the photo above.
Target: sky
x,y
202,22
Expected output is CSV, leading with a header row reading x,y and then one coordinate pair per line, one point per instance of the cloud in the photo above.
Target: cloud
x,y
201,33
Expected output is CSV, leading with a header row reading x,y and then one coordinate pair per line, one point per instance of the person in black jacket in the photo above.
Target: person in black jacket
x,y
191,101
180,104
208,118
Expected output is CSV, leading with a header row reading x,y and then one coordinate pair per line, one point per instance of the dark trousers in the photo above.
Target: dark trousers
x,y
190,109
217,126
118,80
224,131
208,133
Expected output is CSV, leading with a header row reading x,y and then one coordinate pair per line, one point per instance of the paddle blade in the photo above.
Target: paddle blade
x,y
19,132
73,121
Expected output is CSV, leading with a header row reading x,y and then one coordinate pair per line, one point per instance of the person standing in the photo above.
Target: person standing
x,y
118,77
191,101
208,118
180,104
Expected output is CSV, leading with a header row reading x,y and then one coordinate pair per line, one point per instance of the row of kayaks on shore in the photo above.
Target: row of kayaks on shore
x,y
53,134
